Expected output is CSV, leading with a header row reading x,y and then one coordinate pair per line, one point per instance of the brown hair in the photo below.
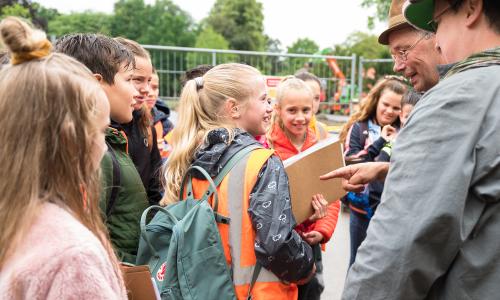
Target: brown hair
x,y
145,119
134,47
200,111
306,76
197,71
50,162
369,104
101,54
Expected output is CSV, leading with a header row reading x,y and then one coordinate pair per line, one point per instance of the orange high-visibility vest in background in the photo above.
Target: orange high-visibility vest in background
x,y
163,146
238,237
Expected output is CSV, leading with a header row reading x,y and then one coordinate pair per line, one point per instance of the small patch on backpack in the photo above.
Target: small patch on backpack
x,y
160,275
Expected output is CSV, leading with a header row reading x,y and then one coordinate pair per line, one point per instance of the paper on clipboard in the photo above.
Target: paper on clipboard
x,y
303,172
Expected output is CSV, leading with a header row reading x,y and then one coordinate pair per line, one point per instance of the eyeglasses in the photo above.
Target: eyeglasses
x,y
434,22
402,55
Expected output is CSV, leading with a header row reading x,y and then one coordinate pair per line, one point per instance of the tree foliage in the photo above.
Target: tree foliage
x,y
27,9
381,10
209,39
161,23
80,22
303,46
240,22
15,10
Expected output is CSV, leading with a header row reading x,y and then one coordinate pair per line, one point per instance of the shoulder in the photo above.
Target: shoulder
x,y
56,245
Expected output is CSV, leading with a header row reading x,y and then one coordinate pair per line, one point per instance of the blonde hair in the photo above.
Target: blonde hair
x,y
368,110
287,84
201,111
49,162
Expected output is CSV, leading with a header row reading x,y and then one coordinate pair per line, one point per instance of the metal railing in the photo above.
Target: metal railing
x,y
363,63
172,62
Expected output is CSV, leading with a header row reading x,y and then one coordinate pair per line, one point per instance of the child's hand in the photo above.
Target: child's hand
x,y
389,133
320,206
312,237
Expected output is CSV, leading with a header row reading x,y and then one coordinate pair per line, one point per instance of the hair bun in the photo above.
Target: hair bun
x,y
23,42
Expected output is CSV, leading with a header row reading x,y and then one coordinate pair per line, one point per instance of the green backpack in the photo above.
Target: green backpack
x,y
182,244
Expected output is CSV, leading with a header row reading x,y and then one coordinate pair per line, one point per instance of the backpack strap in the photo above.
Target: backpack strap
x,y
215,182
255,275
116,182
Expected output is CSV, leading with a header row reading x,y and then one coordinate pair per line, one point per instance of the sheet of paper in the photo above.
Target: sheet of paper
x,y
303,172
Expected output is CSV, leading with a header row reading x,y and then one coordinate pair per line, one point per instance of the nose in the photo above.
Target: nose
x,y
399,66
269,108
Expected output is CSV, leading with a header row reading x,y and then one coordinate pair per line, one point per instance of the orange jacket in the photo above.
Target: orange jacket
x,y
285,149
238,238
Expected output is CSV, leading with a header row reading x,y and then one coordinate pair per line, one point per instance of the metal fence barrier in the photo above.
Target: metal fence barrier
x,y
337,73
363,65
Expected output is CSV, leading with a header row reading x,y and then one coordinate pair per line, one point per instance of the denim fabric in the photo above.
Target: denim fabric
x,y
358,224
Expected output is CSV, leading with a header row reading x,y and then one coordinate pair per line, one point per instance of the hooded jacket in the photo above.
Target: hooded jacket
x,y
292,256
435,233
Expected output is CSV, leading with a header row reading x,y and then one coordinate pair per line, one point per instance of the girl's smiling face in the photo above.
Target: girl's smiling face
x,y
295,112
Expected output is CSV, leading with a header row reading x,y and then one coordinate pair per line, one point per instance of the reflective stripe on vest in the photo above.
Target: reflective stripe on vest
x,y
238,238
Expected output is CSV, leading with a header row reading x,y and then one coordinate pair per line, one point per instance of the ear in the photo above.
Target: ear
x,y
98,77
232,108
473,10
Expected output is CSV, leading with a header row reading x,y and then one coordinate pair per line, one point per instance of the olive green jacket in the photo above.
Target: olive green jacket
x,y
122,218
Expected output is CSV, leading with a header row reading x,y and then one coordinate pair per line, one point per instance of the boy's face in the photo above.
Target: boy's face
x,y
405,113
121,95
142,77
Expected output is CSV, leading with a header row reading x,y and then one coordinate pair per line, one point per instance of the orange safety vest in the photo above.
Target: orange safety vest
x,y
238,237
163,146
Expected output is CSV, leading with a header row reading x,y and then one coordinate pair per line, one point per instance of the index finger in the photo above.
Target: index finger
x,y
344,172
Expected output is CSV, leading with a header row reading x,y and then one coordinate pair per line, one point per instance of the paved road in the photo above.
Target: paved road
x,y
336,259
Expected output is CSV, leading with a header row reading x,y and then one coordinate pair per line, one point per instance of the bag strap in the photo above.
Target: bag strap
x,y
143,224
116,182
255,275
217,181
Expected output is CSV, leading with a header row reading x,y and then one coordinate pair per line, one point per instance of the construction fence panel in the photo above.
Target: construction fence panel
x,y
337,73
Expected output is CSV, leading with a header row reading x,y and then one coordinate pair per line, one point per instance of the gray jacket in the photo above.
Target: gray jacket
x,y
436,233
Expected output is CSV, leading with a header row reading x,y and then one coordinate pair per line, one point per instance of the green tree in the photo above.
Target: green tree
x,y
87,21
240,22
208,38
362,44
366,46
27,9
15,9
162,23
381,10
303,46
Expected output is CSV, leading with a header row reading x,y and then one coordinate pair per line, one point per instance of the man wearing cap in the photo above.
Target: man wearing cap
x,y
413,51
436,234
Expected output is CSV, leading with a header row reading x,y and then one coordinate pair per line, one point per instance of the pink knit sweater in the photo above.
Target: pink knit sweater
x,y
59,259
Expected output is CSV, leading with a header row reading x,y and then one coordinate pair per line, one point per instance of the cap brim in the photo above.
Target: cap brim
x,y
383,38
419,13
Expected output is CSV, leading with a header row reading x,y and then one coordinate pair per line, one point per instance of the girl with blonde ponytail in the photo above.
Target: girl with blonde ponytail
x,y
53,244
219,115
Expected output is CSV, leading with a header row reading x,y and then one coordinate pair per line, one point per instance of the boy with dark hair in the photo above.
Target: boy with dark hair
x,y
124,198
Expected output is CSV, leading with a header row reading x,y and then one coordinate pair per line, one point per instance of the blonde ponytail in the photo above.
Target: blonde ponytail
x,y
201,111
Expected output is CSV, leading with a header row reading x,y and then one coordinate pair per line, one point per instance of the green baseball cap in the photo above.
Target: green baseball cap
x,y
419,13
